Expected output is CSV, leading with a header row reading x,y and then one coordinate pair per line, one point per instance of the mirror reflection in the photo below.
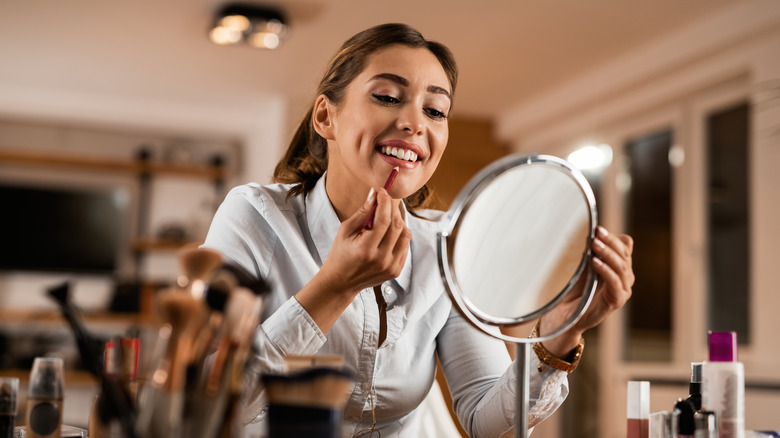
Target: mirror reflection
x,y
520,241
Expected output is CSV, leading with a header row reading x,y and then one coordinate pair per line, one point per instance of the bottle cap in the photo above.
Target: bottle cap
x,y
638,403
723,346
696,372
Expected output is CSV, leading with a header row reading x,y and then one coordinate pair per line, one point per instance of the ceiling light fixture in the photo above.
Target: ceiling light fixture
x,y
262,27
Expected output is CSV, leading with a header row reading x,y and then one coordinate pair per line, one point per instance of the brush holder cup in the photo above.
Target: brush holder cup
x,y
308,403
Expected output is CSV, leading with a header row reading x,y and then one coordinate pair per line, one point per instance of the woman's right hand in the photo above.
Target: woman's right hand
x,y
359,258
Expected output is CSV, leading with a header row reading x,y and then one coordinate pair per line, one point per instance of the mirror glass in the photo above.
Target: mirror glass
x,y
517,239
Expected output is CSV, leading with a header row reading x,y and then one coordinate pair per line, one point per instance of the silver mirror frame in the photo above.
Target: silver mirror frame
x,y
461,205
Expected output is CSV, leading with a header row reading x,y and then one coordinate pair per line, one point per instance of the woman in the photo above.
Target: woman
x,y
374,295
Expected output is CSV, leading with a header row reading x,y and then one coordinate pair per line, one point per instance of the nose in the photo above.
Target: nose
x,y
410,120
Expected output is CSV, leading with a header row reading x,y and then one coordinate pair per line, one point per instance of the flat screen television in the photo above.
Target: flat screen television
x,y
60,229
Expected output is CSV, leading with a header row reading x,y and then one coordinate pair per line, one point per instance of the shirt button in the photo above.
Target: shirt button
x,y
366,386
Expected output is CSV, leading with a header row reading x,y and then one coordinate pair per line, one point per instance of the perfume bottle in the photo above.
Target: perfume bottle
x,y
723,385
694,387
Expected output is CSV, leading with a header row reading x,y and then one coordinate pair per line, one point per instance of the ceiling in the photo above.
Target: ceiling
x,y
508,51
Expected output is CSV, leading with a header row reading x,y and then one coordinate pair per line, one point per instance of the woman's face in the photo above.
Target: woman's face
x,y
393,114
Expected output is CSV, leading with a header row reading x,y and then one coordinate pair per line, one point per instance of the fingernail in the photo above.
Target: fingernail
x,y
599,243
603,231
371,194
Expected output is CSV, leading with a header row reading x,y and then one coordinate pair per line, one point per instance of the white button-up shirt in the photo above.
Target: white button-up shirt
x,y
285,241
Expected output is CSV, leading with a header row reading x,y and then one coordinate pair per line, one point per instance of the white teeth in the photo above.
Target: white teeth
x,y
399,153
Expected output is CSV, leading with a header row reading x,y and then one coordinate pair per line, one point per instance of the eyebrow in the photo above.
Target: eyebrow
x,y
402,81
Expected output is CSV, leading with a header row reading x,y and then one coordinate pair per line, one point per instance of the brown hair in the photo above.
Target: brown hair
x,y
306,158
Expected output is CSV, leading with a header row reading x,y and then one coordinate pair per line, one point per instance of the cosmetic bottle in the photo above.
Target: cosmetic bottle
x,y
45,398
706,424
682,419
638,409
661,424
723,385
694,387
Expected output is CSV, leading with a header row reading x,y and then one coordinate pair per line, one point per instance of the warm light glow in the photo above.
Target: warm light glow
x,y
258,26
676,156
591,157
623,182
225,35
235,21
264,40
275,26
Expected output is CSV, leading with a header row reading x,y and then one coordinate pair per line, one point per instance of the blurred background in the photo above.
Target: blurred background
x,y
136,117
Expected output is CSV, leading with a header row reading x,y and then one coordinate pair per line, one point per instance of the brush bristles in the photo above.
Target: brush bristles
x,y
179,309
199,263
218,291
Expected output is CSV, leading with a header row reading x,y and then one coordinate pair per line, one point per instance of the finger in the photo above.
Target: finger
x,y
622,244
628,241
364,213
611,283
616,261
383,216
355,225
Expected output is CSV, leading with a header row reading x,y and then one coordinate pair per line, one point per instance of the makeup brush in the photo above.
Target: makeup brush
x,y
369,223
161,412
198,265
242,315
225,378
186,316
216,297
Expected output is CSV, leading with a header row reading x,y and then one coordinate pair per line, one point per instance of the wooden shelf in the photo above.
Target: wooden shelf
x,y
110,165
71,377
52,317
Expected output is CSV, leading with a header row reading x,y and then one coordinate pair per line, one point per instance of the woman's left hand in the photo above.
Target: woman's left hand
x,y
612,262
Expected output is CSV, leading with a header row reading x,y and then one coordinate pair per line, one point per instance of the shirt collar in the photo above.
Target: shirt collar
x,y
324,225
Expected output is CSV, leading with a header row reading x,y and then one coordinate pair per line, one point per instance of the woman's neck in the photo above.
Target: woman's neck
x,y
346,201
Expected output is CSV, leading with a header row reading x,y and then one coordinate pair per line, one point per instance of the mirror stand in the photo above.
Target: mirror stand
x,y
523,363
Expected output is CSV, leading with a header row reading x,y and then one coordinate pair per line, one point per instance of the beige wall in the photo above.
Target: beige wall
x,y
675,82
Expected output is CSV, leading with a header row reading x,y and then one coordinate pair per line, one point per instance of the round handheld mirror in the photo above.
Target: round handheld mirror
x,y
514,245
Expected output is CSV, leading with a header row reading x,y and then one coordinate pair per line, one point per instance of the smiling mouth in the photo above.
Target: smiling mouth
x,y
401,154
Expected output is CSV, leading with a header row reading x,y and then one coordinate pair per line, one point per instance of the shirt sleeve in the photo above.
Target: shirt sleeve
x,y
483,381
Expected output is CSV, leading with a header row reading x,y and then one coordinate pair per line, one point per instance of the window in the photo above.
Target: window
x,y
648,219
728,221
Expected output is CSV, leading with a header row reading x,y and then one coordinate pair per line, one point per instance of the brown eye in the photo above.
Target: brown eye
x,y
385,99
434,113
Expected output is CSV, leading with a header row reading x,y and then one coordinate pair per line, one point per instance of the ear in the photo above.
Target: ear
x,y
322,117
